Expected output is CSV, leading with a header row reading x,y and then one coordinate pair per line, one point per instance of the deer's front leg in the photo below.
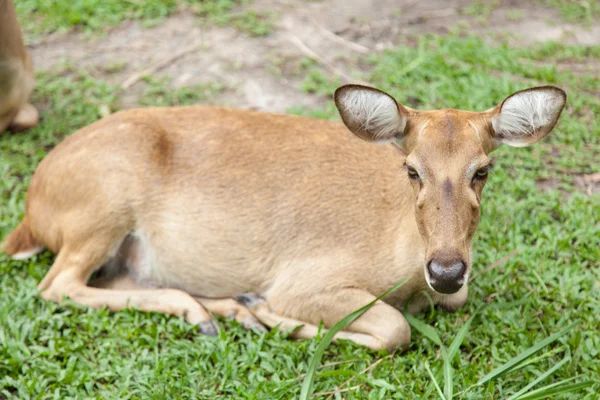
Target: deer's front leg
x,y
381,327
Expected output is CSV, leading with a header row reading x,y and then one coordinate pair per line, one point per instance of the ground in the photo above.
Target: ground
x,y
541,206
261,72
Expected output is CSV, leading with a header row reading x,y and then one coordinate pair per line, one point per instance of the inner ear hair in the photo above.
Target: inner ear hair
x,y
528,115
369,113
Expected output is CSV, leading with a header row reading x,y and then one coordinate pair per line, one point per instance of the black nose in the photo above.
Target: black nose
x,y
446,276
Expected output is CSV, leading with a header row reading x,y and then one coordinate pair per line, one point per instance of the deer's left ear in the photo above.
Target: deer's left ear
x,y
527,116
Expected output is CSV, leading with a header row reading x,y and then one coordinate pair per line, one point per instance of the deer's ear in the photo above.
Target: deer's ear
x,y
371,114
527,116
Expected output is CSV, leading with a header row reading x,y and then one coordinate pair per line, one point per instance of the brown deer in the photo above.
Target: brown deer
x,y
183,209
16,74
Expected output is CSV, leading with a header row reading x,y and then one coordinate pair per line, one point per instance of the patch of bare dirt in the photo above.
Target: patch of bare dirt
x,y
588,183
337,33
547,184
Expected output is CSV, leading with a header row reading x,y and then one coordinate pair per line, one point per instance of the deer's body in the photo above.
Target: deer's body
x,y
16,74
218,202
212,203
219,205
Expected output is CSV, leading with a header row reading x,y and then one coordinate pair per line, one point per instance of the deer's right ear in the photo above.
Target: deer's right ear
x,y
371,114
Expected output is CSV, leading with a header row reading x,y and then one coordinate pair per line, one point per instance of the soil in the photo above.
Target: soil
x,y
260,73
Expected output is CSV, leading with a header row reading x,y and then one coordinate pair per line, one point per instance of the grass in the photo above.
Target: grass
x,y
222,13
44,16
585,12
481,10
308,384
577,11
39,17
157,93
553,282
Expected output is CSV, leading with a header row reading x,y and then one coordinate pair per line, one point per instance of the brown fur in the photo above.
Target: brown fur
x,y
209,203
16,74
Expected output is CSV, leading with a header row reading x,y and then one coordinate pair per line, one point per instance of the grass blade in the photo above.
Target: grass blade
x,y
430,387
437,386
449,355
535,360
539,379
424,329
506,367
308,383
447,374
460,337
550,386
554,389
452,351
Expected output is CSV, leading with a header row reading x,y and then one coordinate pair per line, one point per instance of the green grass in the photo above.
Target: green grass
x,y
47,351
577,11
515,14
158,93
38,17
221,12
481,10
45,16
586,12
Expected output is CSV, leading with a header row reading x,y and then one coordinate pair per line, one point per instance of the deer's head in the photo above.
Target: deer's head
x,y
447,161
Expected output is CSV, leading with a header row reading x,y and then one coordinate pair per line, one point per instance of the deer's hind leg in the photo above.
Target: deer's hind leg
x,y
226,308
27,117
229,308
72,268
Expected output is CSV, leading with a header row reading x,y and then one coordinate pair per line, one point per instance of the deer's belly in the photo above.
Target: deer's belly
x,y
157,263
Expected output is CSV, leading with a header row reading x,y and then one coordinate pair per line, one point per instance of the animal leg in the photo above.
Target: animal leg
x,y
71,271
380,327
26,118
226,308
229,308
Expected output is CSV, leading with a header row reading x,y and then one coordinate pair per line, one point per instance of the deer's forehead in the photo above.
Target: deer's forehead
x,y
448,141
449,132
446,125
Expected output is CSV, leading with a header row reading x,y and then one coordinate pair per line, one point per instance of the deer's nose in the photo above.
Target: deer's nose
x,y
446,276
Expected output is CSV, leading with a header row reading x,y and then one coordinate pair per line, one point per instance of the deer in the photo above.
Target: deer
x,y
274,220
16,74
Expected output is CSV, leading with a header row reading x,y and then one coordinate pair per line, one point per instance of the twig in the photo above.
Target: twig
x,y
588,181
369,368
336,391
331,364
591,178
297,372
408,5
310,53
496,264
133,79
338,39
444,12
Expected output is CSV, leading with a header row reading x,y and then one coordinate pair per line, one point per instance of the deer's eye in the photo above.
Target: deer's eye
x,y
482,173
412,173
